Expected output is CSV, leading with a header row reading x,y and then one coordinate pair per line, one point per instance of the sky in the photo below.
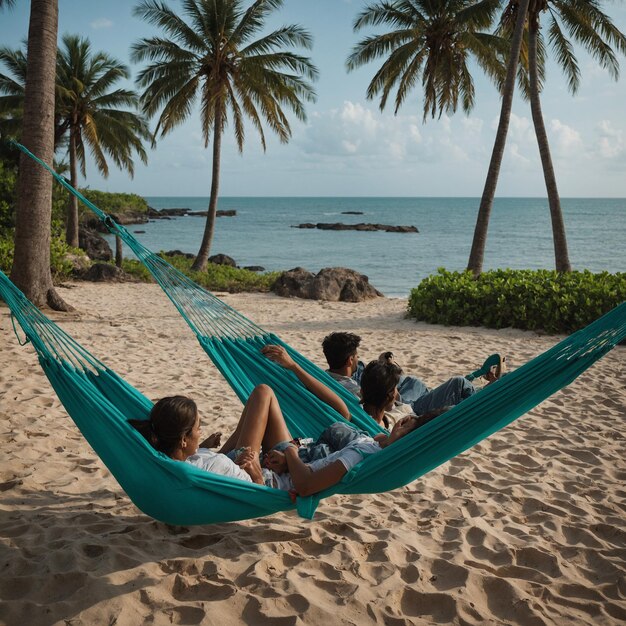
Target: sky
x,y
347,146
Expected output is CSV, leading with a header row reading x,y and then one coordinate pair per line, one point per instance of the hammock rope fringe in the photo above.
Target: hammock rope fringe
x,y
100,402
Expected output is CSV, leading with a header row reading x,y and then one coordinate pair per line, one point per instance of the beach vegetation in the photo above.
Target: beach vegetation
x,y
545,300
89,112
213,278
92,113
117,203
431,43
209,53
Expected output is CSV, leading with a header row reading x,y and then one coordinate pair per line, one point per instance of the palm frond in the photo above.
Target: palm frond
x,y
584,32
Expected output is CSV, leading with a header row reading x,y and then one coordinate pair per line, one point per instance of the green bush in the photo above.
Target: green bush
x,y
60,266
214,278
117,203
6,253
527,299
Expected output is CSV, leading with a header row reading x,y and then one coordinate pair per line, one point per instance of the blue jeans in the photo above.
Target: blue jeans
x,y
410,389
336,437
453,391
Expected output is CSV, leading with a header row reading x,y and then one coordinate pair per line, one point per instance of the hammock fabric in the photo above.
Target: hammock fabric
x,y
100,402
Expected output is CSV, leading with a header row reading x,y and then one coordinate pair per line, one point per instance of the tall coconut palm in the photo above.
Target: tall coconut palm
x,y
90,113
87,112
432,42
479,241
213,57
31,261
584,23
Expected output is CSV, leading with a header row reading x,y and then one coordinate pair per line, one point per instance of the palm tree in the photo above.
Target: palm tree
x,y
213,56
477,253
432,41
31,261
582,22
86,112
88,109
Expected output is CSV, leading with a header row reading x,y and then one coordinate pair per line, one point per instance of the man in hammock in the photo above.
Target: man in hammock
x,y
341,352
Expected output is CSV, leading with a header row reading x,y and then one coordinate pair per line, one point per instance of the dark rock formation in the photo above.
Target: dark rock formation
x,y
139,232
93,223
225,213
94,245
156,214
222,259
331,283
352,213
254,268
361,227
187,255
103,272
294,283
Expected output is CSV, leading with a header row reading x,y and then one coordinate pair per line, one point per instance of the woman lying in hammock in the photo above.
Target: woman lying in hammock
x,y
174,429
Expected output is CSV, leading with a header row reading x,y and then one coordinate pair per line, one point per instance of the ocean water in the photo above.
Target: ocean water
x,y
520,234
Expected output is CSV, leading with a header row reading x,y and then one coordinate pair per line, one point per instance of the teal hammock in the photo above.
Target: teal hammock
x,y
100,402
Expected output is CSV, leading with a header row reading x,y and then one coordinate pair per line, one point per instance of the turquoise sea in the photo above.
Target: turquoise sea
x,y
520,234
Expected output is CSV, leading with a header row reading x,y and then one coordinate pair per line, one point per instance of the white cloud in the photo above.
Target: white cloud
x,y
366,135
472,125
611,143
517,156
564,139
101,22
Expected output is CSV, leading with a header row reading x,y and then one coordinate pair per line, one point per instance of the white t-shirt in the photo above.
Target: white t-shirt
x,y
349,456
217,463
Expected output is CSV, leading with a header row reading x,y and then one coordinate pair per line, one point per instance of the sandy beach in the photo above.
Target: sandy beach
x,y
528,527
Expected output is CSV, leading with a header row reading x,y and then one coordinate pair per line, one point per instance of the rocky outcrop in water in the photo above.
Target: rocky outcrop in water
x,y
388,228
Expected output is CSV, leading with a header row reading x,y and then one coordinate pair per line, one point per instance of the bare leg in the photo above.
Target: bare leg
x,y
262,423
231,442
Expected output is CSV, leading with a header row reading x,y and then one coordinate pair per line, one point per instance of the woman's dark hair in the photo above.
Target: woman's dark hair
x,y
170,420
378,381
339,347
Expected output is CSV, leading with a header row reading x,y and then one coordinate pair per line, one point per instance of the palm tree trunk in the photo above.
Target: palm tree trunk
x,y
477,254
119,256
203,254
71,223
31,263
561,255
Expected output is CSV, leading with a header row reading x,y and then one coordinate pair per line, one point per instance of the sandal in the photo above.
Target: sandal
x,y
496,372
494,360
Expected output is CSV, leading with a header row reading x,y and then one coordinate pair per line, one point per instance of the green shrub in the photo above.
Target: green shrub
x,y
117,203
214,278
6,252
138,270
60,266
527,299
